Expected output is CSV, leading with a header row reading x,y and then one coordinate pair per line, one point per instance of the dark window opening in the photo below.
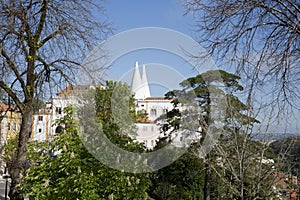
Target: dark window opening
x,y
58,110
153,112
15,126
59,129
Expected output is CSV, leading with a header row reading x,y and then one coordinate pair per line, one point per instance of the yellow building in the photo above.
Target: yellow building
x,y
10,122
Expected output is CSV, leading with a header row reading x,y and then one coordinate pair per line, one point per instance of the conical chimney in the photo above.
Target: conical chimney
x,y
139,85
145,85
136,79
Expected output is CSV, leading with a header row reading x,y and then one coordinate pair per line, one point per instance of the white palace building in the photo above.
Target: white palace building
x,y
148,131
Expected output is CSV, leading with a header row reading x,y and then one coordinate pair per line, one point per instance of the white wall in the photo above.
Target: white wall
x,y
41,126
148,133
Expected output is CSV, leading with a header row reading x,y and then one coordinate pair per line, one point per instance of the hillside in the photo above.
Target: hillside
x,y
288,149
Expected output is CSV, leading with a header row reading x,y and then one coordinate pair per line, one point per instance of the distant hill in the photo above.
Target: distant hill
x,y
274,136
289,147
280,136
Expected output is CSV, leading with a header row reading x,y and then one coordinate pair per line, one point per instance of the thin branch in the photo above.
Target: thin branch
x,y
13,67
12,94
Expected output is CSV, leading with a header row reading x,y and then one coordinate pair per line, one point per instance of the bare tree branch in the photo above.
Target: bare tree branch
x,y
13,95
241,31
13,67
43,42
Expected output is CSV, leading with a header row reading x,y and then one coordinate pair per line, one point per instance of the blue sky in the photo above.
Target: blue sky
x,y
131,14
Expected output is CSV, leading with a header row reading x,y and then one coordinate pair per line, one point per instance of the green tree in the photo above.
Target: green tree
x,y
183,179
242,168
288,154
42,43
64,169
109,135
213,93
115,108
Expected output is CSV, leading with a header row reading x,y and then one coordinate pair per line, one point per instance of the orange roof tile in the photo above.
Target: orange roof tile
x,y
159,98
143,120
4,107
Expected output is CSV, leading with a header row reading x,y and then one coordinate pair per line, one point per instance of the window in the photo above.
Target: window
x,y
58,110
15,126
8,126
40,130
40,118
165,111
153,112
144,128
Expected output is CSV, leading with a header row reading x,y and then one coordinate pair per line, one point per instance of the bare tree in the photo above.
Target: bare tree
x,y
42,42
260,38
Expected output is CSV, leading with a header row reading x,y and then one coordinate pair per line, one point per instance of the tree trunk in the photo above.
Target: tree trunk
x,y
18,163
207,178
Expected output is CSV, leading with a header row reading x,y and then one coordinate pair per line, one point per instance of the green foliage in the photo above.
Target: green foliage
x,y
183,179
233,168
213,90
10,149
239,170
288,152
64,169
37,104
116,113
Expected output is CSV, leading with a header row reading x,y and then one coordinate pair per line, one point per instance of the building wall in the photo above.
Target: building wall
x,y
42,126
148,133
3,130
154,107
10,125
58,105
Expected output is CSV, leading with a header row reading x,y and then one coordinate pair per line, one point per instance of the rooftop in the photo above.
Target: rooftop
x,y
4,107
158,99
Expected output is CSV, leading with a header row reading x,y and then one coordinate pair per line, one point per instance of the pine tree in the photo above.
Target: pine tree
x,y
212,93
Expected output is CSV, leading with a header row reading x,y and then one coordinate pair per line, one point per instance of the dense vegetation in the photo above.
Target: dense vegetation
x,y
288,152
64,168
